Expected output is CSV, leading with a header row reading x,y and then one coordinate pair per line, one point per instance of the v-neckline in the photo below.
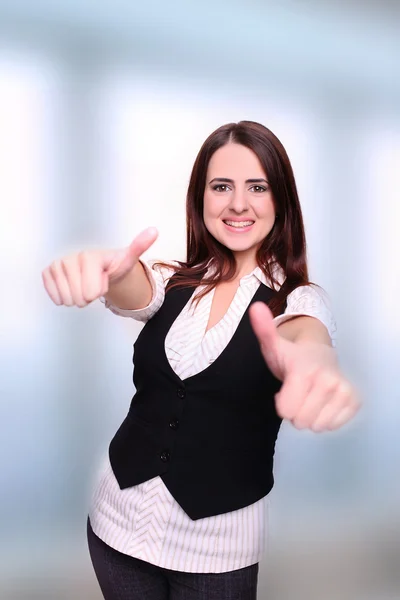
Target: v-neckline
x,y
183,381
206,331
224,316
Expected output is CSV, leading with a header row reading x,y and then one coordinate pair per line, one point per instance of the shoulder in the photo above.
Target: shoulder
x,y
311,294
313,301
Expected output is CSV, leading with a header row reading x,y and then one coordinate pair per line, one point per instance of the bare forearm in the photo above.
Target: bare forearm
x,y
305,329
132,292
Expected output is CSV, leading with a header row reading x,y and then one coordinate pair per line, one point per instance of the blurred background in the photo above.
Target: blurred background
x,y
103,108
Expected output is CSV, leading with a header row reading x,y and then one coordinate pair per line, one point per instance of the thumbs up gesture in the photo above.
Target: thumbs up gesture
x,y
314,393
80,278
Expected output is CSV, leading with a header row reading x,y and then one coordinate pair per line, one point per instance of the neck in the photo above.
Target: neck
x,y
245,263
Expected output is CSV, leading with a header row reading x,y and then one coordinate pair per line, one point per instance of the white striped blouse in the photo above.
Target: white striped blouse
x,y
145,521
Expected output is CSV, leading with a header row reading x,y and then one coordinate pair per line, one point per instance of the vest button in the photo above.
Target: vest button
x,y
174,424
165,455
181,393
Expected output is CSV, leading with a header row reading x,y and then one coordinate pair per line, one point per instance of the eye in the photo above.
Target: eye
x,y
221,187
259,189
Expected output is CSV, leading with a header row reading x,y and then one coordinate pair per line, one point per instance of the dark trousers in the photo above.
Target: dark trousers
x,y
123,577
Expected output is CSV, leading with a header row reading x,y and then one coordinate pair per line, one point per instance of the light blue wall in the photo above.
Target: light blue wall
x,y
103,107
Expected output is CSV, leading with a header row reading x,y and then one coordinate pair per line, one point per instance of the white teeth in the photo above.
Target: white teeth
x,y
239,224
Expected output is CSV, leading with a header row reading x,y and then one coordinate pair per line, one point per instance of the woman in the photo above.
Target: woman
x,y
179,510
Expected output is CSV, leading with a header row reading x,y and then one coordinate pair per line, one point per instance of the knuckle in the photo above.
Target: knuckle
x,y
64,263
53,268
299,423
281,405
335,425
345,389
318,427
88,298
82,304
280,410
288,413
67,261
328,382
84,256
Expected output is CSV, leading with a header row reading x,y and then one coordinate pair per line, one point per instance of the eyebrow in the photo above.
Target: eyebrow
x,y
226,180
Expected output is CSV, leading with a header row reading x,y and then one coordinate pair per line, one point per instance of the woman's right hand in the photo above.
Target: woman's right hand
x,y
81,278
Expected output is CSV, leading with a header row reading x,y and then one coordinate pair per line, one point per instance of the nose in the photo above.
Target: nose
x,y
238,202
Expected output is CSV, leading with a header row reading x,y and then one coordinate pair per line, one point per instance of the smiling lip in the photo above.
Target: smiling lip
x,y
237,228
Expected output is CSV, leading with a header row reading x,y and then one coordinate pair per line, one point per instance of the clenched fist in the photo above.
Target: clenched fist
x,y
79,279
314,393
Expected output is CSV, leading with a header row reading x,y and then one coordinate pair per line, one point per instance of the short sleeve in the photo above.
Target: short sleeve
x,y
310,301
158,277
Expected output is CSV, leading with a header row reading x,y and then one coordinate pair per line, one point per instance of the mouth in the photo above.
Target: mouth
x,y
238,226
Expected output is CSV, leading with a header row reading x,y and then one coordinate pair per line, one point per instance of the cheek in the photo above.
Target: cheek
x,y
265,210
212,207
207,212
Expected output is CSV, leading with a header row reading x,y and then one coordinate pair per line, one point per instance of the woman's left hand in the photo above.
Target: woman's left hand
x,y
314,393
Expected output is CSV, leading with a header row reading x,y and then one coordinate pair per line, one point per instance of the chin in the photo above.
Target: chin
x,y
238,246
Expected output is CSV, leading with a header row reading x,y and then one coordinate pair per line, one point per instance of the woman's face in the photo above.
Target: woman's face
x,y
239,209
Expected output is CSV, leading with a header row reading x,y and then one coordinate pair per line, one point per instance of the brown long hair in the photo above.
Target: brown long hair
x,y
284,246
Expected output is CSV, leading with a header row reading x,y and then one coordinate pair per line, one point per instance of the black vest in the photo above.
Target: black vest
x,y
211,437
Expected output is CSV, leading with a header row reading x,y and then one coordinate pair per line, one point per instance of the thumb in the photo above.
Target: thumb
x,y
123,261
262,321
141,243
